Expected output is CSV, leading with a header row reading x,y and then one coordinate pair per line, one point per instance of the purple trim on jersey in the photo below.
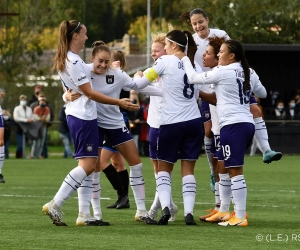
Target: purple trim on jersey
x,y
215,146
85,137
153,139
205,111
1,121
181,140
116,136
234,140
252,100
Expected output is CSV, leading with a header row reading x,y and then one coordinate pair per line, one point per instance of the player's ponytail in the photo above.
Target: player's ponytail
x,y
185,42
191,46
66,31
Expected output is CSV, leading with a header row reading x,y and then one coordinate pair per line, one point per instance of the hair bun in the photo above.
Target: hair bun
x,y
98,43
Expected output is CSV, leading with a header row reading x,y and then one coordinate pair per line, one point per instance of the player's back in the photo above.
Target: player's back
x,y
179,103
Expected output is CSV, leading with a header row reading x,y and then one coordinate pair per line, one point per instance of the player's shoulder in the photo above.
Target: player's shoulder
x,y
219,33
74,58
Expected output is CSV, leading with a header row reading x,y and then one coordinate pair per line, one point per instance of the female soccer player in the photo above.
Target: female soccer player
x,y
180,129
82,120
154,117
233,88
110,81
198,21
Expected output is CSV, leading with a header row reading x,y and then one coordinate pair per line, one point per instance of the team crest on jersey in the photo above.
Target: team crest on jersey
x,y
110,79
89,147
206,114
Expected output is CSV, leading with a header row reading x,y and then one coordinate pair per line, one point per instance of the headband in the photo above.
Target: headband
x,y
176,42
75,28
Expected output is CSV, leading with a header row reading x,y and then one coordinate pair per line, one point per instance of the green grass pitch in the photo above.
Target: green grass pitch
x,y
273,206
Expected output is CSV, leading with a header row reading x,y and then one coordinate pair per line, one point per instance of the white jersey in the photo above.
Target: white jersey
x,y
215,128
110,83
179,101
202,44
155,107
232,102
76,74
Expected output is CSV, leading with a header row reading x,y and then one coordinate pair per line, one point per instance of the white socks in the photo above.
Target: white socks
x,y
70,184
207,146
224,192
1,158
163,187
85,192
96,194
188,193
239,193
217,196
261,134
156,203
137,184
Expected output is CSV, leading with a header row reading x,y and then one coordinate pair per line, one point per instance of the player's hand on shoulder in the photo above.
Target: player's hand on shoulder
x,y
126,103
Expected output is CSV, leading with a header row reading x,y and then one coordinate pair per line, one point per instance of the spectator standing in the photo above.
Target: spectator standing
x,y
8,123
64,132
22,114
41,95
40,113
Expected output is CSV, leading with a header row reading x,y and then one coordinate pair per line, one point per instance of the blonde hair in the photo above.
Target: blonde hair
x,y
158,38
66,31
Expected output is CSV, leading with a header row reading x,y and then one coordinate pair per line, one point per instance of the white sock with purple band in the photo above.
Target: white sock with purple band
x,y
1,158
96,194
85,192
239,193
137,184
261,134
70,184
224,192
207,146
156,203
163,187
217,196
189,193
